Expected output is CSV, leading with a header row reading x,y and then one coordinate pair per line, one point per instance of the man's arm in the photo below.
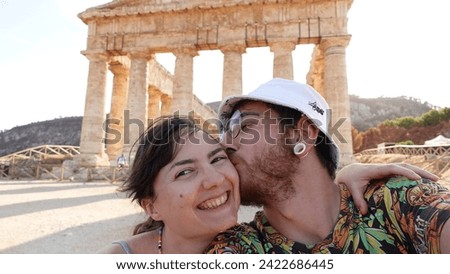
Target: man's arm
x,y
445,238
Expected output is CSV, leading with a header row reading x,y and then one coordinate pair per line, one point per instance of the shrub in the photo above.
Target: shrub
x,y
406,122
430,118
407,143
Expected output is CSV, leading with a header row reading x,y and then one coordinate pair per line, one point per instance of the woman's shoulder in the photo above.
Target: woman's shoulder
x,y
409,192
136,244
116,247
405,184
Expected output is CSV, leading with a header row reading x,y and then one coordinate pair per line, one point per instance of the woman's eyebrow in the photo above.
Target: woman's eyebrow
x,y
182,162
190,161
215,151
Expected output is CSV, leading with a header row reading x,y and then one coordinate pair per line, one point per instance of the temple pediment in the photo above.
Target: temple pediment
x,y
140,7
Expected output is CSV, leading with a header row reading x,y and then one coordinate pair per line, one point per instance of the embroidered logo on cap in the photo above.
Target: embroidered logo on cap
x,y
316,108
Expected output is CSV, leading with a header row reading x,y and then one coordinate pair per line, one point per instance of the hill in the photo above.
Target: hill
x,y
61,131
365,113
406,130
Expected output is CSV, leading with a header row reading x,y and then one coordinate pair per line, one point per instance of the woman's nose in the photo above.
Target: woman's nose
x,y
212,177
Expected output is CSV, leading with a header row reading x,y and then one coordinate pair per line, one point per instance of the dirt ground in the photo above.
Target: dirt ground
x,y
77,218
66,217
438,166
58,217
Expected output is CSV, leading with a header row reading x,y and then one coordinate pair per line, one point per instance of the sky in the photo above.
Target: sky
x,y
398,48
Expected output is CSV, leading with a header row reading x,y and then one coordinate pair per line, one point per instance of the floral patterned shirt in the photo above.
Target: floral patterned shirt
x,y
404,217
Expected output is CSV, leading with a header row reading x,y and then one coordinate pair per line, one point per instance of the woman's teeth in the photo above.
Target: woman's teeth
x,y
214,203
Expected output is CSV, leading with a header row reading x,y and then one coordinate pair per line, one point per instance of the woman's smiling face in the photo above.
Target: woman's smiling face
x,y
197,193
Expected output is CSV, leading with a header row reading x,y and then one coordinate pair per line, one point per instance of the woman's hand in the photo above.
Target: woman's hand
x,y
358,176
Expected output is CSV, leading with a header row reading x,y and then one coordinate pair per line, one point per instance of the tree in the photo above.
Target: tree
x,y
430,118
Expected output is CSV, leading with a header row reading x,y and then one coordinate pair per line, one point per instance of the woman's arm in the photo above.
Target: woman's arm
x,y
357,176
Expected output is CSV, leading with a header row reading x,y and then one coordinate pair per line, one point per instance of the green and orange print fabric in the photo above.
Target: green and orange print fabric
x,y
404,217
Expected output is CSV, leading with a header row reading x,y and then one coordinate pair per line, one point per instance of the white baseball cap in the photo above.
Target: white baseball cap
x,y
291,94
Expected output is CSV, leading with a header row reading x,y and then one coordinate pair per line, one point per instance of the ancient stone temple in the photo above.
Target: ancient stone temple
x,y
125,35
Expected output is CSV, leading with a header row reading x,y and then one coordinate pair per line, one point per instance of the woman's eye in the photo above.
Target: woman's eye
x,y
183,172
218,158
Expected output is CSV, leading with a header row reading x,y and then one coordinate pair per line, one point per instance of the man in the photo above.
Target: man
x,y
276,137
121,161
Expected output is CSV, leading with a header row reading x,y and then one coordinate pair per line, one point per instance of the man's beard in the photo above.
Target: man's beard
x,y
268,179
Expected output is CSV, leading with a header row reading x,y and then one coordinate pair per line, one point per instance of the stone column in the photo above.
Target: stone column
x,y
154,102
166,105
282,59
183,81
232,70
336,93
115,137
137,103
92,148
314,77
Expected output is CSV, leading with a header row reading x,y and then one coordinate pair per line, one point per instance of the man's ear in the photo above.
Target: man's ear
x,y
150,209
308,130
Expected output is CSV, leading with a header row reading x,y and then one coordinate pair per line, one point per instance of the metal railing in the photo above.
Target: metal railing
x,y
408,150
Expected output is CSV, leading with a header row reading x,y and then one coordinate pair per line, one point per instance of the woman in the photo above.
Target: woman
x,y
189,189
183,180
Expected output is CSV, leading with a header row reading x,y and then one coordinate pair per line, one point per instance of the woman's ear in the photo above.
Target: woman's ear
x,y
150,209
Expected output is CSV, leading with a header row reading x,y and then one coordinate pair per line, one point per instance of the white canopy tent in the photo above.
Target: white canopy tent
x,y
438,141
